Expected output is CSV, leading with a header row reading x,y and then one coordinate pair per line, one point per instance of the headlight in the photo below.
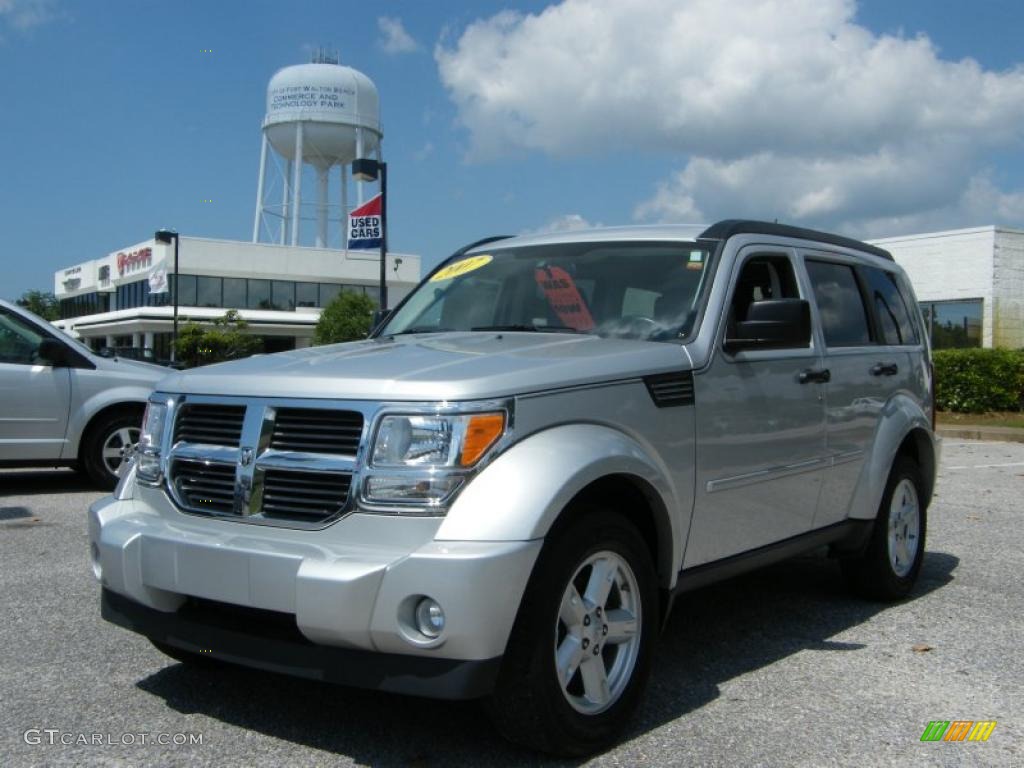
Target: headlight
x,y
436,441
421,460
147,455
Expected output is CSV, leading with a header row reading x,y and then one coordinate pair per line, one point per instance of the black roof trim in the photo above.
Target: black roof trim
x,y
725,229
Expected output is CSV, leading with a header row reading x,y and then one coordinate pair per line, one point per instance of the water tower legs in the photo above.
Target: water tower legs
x,y
259,191
285,205
321,209
297,184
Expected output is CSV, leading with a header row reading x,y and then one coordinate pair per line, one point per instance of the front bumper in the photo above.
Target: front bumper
x,y
348,591
245,639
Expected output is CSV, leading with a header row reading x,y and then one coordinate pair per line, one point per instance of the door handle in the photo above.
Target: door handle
x,y
822,377
883,369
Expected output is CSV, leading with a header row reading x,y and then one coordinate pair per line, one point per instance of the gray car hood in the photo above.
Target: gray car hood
x,y
448,366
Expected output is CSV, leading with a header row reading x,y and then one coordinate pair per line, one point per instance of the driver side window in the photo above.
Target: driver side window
x,y
19,341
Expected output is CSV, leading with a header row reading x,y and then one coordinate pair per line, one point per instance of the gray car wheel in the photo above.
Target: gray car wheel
x,y
108,445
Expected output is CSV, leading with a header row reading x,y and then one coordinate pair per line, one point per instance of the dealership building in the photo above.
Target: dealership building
x,y
278,289
970,283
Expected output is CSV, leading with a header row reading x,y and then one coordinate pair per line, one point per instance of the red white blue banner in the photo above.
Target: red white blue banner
x,y
366,225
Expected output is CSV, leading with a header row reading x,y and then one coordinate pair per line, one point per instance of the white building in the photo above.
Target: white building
x,y
279,290
970,283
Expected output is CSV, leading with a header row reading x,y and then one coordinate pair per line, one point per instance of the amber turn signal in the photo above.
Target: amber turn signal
x,y
481,432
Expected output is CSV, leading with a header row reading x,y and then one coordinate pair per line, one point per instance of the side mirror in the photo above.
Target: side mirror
x,y
380,317
773,324
52,352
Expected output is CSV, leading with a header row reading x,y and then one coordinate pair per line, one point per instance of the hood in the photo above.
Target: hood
x,y
135,369
449,366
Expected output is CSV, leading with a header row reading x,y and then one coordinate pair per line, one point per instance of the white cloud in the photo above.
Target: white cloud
x,y
568,222
784,108
25,14
394,38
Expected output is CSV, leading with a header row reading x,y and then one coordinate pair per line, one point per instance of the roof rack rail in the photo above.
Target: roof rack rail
x,y
728,227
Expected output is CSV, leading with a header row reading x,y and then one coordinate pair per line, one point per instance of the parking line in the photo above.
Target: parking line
x,y
989,466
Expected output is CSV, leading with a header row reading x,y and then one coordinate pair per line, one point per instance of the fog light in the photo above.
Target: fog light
x,y
429,618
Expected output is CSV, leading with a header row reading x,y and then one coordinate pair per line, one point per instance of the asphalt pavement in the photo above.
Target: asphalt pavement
x,y
779,668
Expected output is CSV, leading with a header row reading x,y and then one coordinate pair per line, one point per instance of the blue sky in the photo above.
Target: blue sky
x,y
502,117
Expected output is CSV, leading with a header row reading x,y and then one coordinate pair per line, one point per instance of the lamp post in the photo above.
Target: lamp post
x,y
368,169
166,236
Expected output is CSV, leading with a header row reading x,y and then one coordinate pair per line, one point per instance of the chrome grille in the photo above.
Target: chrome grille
x,y
204,486
309,496
311,430
210,424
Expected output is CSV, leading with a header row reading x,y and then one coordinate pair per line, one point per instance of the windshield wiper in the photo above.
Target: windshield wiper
x,y
420,329
527,327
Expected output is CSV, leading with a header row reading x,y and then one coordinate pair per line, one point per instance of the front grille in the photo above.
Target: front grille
x,y
210,424
204,487
306,496
311,430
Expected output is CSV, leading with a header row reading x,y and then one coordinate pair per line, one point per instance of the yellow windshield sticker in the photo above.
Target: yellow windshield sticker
x,y
460,268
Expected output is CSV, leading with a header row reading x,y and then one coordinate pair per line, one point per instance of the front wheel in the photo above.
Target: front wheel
x,y
580,651
109,444
888,568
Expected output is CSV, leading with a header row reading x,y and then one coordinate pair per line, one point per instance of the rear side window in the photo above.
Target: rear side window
x,y
894,323
840,304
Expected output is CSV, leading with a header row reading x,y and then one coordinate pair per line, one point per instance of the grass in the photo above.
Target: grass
x,y
1003,419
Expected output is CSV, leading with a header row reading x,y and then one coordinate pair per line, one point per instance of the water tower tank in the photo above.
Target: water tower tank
x,y
332,102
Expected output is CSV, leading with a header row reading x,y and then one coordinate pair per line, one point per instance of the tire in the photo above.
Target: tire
x,y
185,657
529,705
889,565
110,442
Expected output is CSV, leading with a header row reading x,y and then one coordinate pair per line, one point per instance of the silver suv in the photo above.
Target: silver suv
x,y
500,492
63,405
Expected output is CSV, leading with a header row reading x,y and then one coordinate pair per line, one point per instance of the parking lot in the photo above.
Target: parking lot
x,y
782,667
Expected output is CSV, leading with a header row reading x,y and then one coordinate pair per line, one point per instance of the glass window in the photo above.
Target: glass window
x,y
234,293
208,292
370,290
576,287
305,294
284,294
186,290
19,341
894,324
840,304
954,324
259,294
328,291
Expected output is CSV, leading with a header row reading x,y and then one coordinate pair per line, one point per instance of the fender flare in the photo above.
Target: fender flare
x,y
520,495
900,416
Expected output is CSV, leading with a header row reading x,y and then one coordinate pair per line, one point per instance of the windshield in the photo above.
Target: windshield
x,y
636,290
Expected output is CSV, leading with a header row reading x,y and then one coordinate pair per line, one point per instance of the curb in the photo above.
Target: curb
x,y
967,432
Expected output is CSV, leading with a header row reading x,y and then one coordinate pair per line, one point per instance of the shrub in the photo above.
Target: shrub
x,y
346,318
979,380
225,340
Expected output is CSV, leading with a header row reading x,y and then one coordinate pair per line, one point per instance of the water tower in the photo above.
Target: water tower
x,y
321,115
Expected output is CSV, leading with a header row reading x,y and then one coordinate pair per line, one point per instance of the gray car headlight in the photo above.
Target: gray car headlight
x,y
147,453
422,459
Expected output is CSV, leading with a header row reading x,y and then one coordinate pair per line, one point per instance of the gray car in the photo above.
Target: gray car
x,y
499,494
63,405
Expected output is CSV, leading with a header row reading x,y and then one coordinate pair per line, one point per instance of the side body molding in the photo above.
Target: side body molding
x,y
519,496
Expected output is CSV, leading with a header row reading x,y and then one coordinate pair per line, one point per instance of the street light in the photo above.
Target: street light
x,y
368,169
166,236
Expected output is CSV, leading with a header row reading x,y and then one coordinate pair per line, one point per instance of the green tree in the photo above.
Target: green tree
x,y
346,318
42,303
226,339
